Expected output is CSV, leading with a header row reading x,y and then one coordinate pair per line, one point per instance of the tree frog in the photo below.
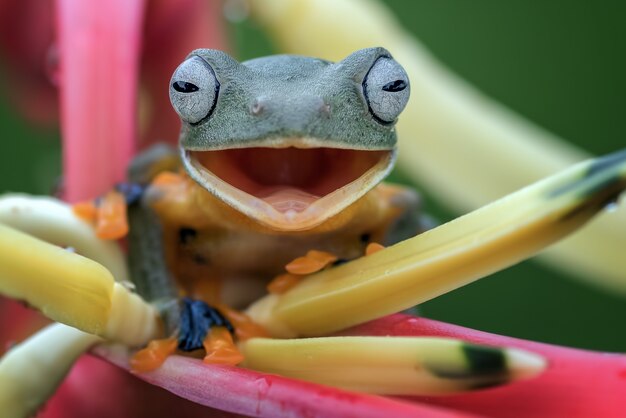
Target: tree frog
x,y
280,158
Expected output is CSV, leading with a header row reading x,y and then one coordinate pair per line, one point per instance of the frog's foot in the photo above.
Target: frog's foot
x,y
312,262
153,356
282,283
201,326
108,213
204,326
373,248
245,327
196,319
297,269
220,348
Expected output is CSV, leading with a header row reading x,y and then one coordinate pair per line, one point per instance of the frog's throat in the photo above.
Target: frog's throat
x,y
289,188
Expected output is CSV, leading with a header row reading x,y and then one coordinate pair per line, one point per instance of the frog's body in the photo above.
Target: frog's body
x,y
207,240
281,155
289,141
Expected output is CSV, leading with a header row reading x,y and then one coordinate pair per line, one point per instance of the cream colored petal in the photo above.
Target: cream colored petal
x,y
31,371
392,365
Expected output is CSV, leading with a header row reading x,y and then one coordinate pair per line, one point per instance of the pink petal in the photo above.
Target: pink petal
x,y
17,323
173,29
578,383
99,57
26,37
97,389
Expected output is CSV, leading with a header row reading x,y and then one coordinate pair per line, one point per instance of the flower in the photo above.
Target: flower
x,y
239,390
577,383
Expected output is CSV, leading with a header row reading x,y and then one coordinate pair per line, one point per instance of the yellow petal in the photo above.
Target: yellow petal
x,y
54,221
72,289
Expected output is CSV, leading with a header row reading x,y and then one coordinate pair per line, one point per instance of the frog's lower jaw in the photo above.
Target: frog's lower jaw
x,y
289,188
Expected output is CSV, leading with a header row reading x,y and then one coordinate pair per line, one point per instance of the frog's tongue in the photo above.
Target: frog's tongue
x,y
298,184
285,199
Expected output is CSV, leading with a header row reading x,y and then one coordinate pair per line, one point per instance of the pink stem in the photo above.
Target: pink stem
x,y
99,45
228,389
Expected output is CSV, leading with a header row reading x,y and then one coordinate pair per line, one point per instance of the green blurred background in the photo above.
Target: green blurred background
x,y
560,63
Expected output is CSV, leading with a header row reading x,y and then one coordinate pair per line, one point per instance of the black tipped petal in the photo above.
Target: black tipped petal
x,y
602,176
484,360
606,162
480,361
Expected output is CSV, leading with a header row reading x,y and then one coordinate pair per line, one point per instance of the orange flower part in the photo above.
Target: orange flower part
x,y
245,327
153,356
220,348
282,283
86,211
312,262
111,222
373,247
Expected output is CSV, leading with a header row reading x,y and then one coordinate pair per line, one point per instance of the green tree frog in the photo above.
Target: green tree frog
x,y
280,158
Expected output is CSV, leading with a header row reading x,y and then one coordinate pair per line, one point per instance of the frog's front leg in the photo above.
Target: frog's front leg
x,y
192,324
147,264
406,213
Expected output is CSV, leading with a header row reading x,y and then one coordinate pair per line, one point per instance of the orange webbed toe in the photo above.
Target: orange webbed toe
x,y
220,348
153,356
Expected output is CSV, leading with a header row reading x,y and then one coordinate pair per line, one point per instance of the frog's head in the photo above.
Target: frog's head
x,y
289,141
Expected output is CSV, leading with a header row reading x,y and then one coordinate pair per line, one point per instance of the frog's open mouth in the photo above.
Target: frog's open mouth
x,y
289,188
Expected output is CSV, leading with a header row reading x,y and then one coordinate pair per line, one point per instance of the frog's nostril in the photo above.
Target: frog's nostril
x,y
325,109
257,107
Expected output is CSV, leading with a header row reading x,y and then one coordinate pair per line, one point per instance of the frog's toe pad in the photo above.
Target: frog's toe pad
x,y
153,356
220,348
196,319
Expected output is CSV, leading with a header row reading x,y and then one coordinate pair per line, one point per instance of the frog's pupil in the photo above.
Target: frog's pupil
x,y
184,87
394,86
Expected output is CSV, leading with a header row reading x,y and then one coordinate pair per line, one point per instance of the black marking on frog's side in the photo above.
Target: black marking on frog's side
x,y
196,319
187,235
340,261
480,362
200,259
132,192
365,238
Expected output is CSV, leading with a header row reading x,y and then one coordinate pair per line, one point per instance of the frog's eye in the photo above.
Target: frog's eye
x,y
386,88
193,90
